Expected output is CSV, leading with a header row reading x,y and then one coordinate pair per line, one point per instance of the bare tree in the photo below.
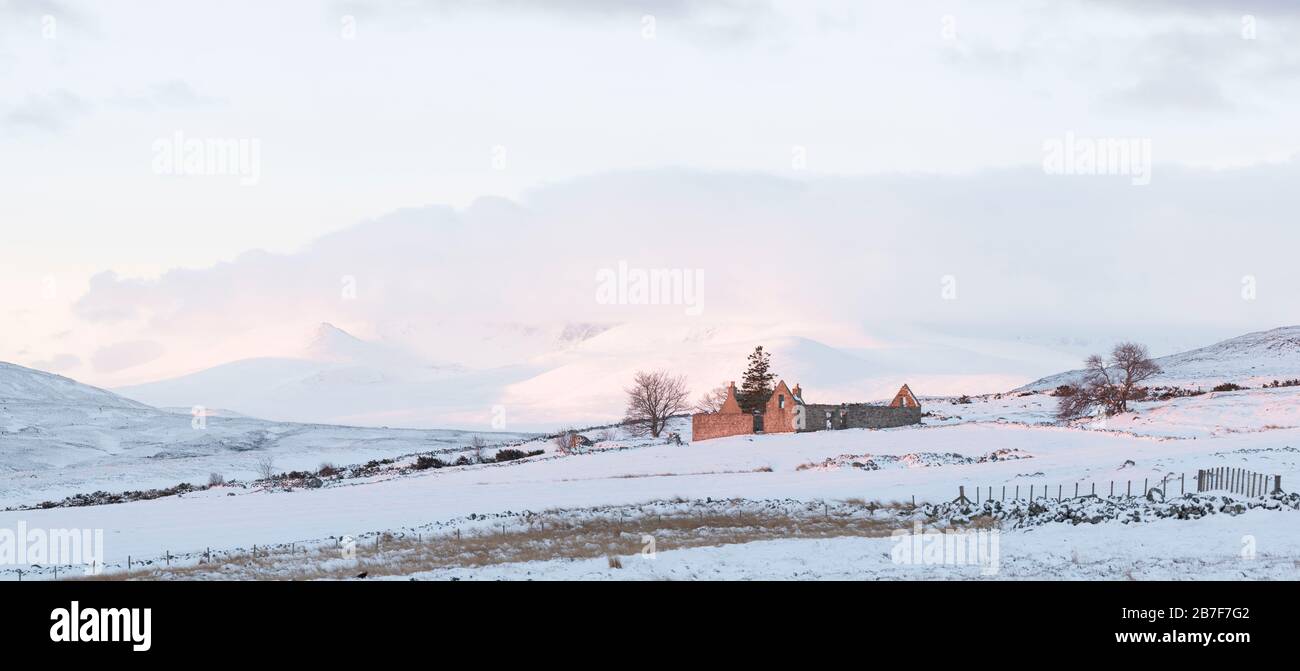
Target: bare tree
x,y
652,399
1109,384
477,444
564,441
712,400
266,466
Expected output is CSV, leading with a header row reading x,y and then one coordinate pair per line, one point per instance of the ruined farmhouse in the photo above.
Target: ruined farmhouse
x,y
786,412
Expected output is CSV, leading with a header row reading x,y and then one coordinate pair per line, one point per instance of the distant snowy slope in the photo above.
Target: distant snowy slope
x,y
61,437
27,385
339,379
1251,359
575,373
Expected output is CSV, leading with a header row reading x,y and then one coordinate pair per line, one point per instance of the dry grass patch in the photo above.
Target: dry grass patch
x,y
555,535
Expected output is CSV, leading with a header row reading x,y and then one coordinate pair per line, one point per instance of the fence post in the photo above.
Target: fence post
x,y
1112,489
1031,493
1058,493
1130,490
1076,490
1277,484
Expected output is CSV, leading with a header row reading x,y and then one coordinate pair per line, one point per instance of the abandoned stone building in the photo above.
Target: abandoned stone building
x,y
786,412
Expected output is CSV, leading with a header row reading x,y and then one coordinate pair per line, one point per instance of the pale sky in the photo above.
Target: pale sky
x,y
362,109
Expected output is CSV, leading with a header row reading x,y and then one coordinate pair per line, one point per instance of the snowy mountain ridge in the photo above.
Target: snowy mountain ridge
x,y
1251,359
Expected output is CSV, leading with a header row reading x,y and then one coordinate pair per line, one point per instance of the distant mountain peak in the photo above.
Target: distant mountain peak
x,y
331,343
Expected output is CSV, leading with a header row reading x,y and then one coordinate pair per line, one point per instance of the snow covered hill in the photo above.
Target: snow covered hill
x,y
547,377
340,379
26,385
1252,360
54,444
60,437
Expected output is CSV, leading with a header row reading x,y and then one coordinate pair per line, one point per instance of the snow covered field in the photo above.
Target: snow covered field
x,y
1206,549
995,445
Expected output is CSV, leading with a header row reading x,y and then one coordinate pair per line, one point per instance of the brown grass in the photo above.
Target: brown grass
x,y
549,536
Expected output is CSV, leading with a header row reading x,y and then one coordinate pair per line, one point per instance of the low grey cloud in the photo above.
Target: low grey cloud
x,y
48,112
1180,89
59,363
1203,7
170,94
716,21
1043,251
124,355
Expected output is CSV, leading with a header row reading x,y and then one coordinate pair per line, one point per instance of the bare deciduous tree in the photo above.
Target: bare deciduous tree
x,y
266,466
712,400
652,399
1109,384
564,441
477,444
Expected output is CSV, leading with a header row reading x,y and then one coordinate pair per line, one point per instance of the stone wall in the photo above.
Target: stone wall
x,y
861,416
718,425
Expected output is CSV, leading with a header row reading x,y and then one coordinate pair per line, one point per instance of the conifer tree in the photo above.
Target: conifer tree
x,y
757,386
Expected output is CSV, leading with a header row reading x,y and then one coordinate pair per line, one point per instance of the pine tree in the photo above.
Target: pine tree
x,y
757,386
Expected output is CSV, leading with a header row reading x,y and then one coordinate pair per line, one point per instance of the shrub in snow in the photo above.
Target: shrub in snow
x,y
425,461
1093,510
509,454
